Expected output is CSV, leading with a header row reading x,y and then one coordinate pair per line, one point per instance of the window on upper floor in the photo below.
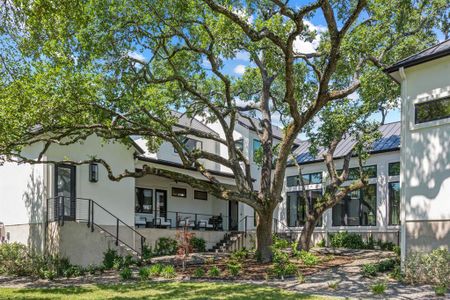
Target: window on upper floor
x,y
358,208
191,144
239,144
200,195
394,169
353,173
296,207
311,178
179,192
256,147
432,110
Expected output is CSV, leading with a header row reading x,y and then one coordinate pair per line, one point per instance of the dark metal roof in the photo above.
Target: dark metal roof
x,y
434,52
192,123
389,141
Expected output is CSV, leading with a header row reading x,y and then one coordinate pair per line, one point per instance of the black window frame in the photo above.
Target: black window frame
x,y
428,103
139,192
239,144
307,178
353,173
390,167
179,195
196,193
390,203
345,203
300,220
185,139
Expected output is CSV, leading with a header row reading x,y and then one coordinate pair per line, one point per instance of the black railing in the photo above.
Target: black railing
x,y
179,219
276,224
83,210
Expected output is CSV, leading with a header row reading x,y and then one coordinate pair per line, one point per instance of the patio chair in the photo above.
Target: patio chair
x,y
162,222
140,221
186,223
204,224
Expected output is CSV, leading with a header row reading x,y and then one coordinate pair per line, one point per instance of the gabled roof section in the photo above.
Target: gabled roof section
x,y
276,131
192,123
434,52
389,141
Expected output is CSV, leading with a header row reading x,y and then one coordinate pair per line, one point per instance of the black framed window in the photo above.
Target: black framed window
x,y
256,147
191,144
311,178
394,169
394,203
179,192
296,207
432,110
144,200
353,173
358,208
239,144
200,195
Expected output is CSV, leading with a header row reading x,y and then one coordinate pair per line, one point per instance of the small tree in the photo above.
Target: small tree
x,y
184,238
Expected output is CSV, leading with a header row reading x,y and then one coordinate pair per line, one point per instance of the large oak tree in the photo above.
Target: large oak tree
x,y
117,68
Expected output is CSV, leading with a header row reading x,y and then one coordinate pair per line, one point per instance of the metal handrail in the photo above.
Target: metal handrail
x,y
90,220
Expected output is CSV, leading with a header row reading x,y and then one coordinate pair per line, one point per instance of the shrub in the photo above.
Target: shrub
x,y
281,265
396,250
321,243
109,257
300,277
308,258
378,288
147,252
199,272
198,244
166,246
333,285
240,255
128,261
386,246
144,273
155,270
430,268
440,290
234,268
168,271
387,265
118,263
91,269
214,272
346,240
14,259
126,273
369,270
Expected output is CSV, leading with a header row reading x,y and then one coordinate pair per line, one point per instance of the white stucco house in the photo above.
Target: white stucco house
x,y
77,212
425,148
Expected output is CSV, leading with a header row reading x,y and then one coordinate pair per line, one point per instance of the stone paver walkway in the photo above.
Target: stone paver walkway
x,y
352,285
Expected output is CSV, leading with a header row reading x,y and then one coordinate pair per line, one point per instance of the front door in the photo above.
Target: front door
x,y
233,213
65,189
161,203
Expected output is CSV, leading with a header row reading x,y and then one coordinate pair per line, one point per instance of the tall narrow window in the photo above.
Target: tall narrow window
x,y
256,147
358,208
143,200
394,203
239,144
296,207
433,110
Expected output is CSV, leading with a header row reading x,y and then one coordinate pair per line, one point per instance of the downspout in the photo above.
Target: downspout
x,y
404,109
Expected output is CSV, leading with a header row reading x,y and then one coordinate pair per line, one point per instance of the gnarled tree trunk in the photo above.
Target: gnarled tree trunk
x,y
264,235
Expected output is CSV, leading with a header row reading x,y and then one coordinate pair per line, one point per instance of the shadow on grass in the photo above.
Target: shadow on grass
x,y
158,290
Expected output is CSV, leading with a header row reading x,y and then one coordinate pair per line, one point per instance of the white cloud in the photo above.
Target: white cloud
x,y
303,46
137,56
239,69
243,55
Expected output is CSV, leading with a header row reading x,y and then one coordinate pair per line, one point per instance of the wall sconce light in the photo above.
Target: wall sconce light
x,y
93,172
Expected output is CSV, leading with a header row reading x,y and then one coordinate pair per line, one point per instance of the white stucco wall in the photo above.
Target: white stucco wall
x,y
426,155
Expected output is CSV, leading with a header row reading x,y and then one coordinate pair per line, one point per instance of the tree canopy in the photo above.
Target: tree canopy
x,y
118,68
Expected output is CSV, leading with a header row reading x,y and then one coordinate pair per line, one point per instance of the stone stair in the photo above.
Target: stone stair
x,y
231,241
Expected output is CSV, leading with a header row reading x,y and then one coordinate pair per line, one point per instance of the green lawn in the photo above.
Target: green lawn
x,y
152,290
